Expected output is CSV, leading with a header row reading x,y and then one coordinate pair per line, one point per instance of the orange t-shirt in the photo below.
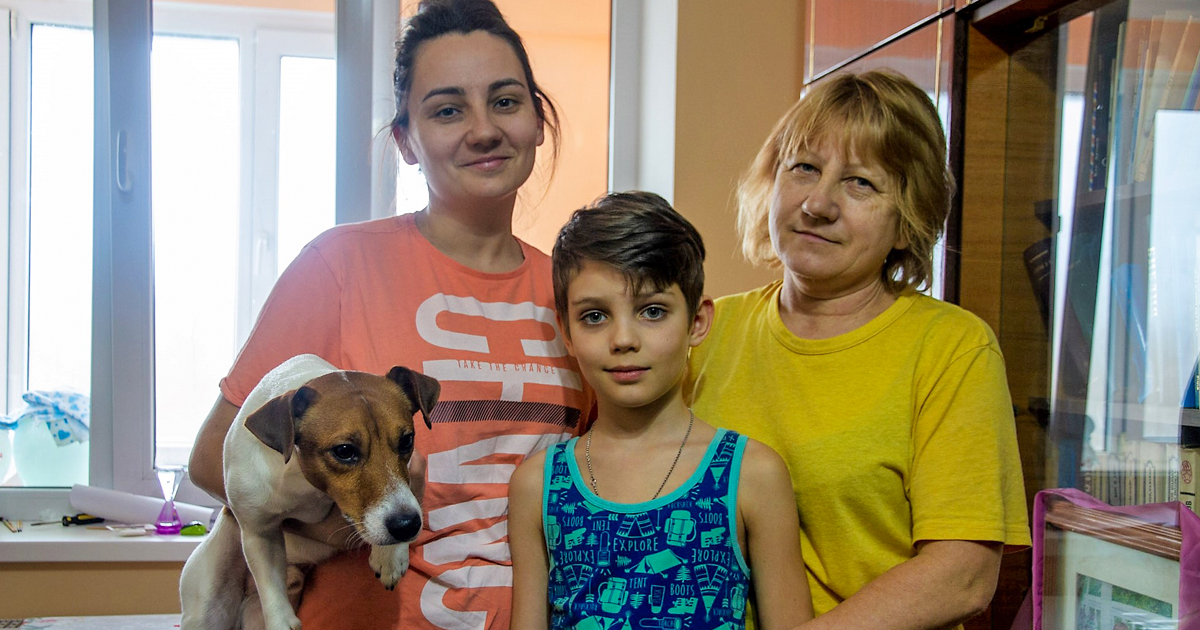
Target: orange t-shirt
x,y
372,295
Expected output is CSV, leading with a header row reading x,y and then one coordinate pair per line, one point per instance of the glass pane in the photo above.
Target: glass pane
x,y
196,148
1099,302
60,257
307,152
839,30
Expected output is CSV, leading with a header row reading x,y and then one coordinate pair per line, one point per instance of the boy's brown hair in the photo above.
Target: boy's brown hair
x,y
638,234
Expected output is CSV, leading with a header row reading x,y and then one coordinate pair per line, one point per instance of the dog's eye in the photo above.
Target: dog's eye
x,y
406,443
345,453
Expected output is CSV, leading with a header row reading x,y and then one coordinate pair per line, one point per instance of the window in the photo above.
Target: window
x,y
196,157
242,106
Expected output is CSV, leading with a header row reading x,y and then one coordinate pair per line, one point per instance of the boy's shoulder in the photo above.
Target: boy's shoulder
x,y
527,478
530,471
761,464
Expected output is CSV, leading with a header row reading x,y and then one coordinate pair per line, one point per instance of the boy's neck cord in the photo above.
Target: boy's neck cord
x,y
587,456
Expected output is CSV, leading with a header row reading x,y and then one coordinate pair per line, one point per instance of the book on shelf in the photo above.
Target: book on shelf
x,y
1143,114
1133,37
1138,472
1173,49
1171,486
1189,458
1182,67
1191,393
1151,472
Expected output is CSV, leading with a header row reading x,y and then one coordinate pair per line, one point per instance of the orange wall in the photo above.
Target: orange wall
x,y
738,72
568,44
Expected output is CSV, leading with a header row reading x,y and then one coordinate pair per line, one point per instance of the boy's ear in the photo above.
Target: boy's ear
x,y
701,321
566,333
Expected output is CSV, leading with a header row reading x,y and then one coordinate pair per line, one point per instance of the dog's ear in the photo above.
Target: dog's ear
x,y
273,425
421,389
302,399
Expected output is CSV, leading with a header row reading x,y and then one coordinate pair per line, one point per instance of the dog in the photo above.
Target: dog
x,y
308,437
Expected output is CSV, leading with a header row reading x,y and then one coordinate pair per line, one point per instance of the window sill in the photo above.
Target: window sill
x,y
54,543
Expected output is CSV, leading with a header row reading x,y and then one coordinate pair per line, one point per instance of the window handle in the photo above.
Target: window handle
x,y
124,184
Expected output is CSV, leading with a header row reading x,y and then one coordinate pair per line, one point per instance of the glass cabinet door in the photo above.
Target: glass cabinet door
x,y
839,30
1097,296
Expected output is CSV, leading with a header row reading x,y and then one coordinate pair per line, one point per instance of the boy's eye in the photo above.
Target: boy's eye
x,y
654,312
592,317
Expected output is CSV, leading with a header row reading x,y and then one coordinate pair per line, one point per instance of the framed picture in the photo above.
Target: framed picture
x,y
1105,571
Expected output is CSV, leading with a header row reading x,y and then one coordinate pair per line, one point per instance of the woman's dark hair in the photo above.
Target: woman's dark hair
x,y
435,18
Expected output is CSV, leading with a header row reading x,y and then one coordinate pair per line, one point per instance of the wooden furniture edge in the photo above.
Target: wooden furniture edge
x,y
1127,531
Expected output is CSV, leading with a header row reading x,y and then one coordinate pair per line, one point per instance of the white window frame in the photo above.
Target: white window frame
x,y
273,46
125,461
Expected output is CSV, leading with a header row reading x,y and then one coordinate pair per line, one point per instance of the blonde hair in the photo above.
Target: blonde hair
x,y
878,116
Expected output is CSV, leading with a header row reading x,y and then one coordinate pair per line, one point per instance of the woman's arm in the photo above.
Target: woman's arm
x,y
768,509
205,466
947,582
530,605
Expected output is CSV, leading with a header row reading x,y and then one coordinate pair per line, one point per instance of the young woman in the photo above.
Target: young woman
x,y
449,292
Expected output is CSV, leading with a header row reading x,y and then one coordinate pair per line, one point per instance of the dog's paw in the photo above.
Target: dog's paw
x,y
281,620
390,563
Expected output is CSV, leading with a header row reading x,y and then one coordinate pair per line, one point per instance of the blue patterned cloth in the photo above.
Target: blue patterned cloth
x,y
668,564
67,414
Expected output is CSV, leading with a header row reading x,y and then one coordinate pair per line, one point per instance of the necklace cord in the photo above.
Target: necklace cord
x,y
587,456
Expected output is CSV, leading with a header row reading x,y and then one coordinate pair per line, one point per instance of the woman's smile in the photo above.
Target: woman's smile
x,y
488,163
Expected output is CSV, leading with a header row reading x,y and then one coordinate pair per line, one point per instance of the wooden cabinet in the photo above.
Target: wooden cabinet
x,y
1074,136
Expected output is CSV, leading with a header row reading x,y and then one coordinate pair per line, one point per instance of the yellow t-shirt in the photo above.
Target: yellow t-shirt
x,y
899,431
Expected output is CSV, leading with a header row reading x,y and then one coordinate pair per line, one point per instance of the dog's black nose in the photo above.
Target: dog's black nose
x,y
404,526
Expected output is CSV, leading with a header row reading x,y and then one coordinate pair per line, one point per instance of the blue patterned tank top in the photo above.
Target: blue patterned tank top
x,y
669,564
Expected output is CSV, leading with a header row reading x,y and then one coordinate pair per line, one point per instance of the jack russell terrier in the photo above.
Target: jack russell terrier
x,y
308,436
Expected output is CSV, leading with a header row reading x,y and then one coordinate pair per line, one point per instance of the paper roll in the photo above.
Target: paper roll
x,y
122,507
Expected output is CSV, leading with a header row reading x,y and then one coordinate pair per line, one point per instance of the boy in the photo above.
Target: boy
x,y
647,521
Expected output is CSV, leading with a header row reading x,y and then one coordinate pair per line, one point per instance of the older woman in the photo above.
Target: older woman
x,y
890,407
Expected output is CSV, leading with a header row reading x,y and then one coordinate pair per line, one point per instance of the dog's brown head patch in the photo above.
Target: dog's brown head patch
x,y
355,433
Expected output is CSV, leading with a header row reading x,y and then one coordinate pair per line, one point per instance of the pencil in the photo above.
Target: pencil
x,y
11,527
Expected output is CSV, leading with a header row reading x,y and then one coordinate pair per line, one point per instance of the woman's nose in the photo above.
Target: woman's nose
x,y
821,200
483,131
